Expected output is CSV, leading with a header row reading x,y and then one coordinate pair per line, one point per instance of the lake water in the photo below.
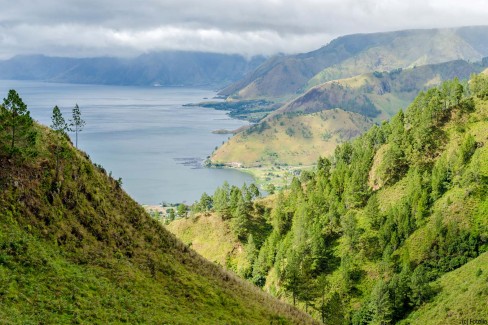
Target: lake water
x,y
142,134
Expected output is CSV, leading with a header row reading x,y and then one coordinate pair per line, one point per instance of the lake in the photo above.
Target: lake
x,y
142,134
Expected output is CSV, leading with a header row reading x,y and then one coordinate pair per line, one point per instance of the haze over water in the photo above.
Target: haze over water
x,y
142,134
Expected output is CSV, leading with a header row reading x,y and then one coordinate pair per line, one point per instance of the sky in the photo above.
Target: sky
x,y
125,28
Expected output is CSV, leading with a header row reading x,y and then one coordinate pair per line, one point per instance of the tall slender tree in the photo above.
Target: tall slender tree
x,y
60,126
77,123
16,118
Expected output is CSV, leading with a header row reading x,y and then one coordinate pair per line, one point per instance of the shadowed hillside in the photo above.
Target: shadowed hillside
x,y
170,68
379,94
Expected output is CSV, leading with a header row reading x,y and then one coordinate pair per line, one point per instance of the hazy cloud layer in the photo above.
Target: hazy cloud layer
x,y
126,28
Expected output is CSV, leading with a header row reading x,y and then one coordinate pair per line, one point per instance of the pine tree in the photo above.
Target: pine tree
x,y
221,201
77,123
16,121
240,221
60,127
381,304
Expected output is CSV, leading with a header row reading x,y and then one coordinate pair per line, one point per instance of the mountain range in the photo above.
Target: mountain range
x,y
373,75
170,68
286,76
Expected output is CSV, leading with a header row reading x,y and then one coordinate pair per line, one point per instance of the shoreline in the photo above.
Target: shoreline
x,y
279,176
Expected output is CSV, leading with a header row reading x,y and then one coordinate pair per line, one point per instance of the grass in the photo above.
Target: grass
x,y
209,235
78,249
460,297
291,140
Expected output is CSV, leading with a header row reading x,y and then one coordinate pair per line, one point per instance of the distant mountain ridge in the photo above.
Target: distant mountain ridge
x,y
378,94
170,68
285,76
332,112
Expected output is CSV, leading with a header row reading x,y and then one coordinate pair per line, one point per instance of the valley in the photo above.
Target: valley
x,y
344,185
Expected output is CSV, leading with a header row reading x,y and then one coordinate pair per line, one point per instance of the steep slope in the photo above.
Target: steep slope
x,y
291,139
386,230
459,296
75,248
171,68
283,77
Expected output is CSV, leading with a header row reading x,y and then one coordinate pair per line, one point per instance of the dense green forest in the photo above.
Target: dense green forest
x,y
371,235
76,249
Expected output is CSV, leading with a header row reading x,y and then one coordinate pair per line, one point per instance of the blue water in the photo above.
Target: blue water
x,y
142,134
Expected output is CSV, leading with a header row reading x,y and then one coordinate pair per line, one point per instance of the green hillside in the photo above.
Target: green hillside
x,y
379,95
75,248
291,139
392,228
462,295
283,77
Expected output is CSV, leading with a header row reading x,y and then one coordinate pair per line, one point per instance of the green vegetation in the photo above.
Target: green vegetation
x,y
75,248
379,95
293,135
77,123
251,110
17,134
291,139
386,229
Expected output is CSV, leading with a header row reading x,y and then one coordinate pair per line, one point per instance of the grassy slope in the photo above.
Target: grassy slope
x,y
387,91
293,140
83,251
462,296
211,237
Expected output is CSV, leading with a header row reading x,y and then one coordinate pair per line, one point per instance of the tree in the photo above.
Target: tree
x,y
16,120
221,201
421,291
59,126
270,188
381,304
171,214
182,210
240,221
206,202
479,86
77,123
254,190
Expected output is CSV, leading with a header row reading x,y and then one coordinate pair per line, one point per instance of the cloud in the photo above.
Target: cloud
x,y
127,28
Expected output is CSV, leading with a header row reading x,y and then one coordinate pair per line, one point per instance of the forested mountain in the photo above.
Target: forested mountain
x,y
283,77
171,68
75,248
392,228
